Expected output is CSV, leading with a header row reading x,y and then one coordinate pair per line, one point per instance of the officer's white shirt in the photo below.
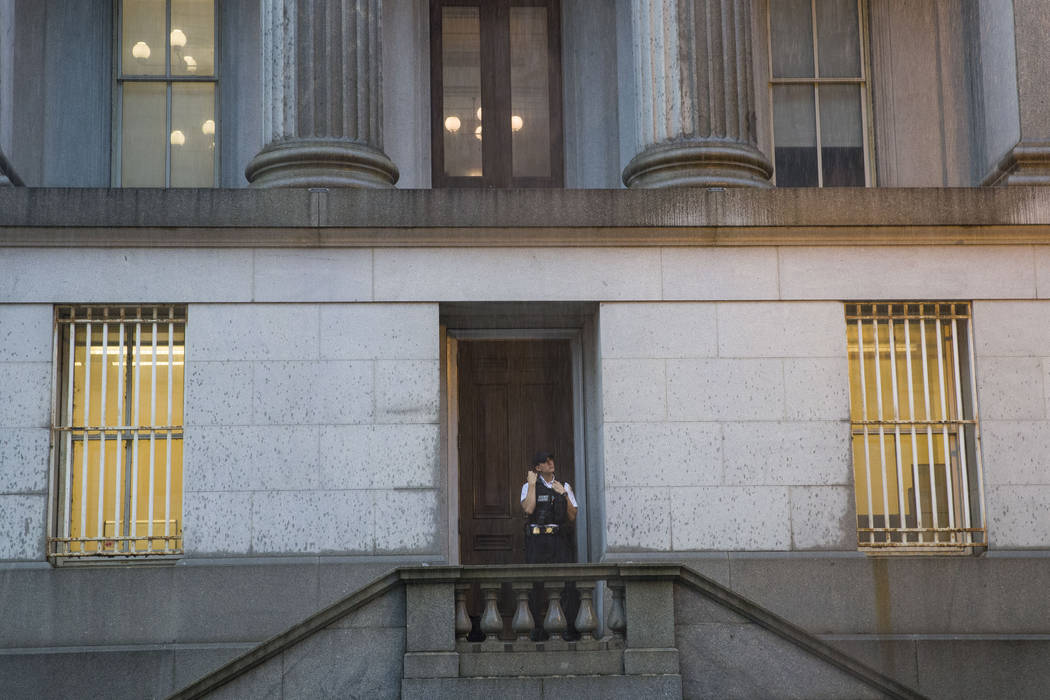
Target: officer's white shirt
x,y
550,485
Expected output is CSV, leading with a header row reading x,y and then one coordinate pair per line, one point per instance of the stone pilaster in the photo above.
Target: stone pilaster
x,y
1028,161
695,99
322,96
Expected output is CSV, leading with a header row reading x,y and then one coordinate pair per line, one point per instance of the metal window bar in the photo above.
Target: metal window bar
x,y
958,437
87,525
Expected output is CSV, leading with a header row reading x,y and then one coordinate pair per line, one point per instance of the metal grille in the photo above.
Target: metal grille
x,y
117,431
916,436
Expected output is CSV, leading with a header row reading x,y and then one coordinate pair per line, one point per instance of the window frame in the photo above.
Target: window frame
x,y
497,162
955,423
168,80
63,548
863,81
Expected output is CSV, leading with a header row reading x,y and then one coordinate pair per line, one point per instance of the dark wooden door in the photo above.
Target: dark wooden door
x,y
515,398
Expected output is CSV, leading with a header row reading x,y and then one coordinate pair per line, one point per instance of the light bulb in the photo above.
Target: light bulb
x,y
516,123
477,133
208,127
140,50
177,138
452,123
478,113
191,63
178,38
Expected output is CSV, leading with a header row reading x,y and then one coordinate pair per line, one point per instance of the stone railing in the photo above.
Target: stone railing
x,y
576,619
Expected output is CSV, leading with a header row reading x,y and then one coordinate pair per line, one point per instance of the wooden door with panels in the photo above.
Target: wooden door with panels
x,y
515,398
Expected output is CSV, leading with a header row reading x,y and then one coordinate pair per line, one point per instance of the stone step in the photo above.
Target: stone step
x,y
611,687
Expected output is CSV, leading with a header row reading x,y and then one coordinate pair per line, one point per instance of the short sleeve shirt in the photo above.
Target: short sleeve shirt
x,y
550,485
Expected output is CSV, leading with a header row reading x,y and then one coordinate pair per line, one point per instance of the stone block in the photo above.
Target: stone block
x,y
658,687
193,663
725,390
651,330
637,519
472,688
747,661
379,332
1018,516
896,658
388,610
541,663
730,518
816,388
983,668
258,332
26,332
125,275
813,453
313,522
1012,388
781,329
339,577
346,663
650,661
25,394
407,391
918,272
430,614
1014,452
328,274
673,454
692,607
217,522
230,602
380,456
1010,329
431,664
24,456
649,624
634,390
720,273
522,274
86,674
317,392
264,682
218,393
250,458
22,519
823,517
407,522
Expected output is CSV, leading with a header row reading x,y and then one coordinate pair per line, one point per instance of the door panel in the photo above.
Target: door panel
x,y
515,398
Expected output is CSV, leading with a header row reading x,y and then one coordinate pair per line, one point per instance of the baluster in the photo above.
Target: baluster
x,y
586,619
554,622
523,622
491,622
617,619
463,623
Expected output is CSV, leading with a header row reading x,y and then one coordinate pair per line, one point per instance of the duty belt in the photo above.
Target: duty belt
x,y
535,529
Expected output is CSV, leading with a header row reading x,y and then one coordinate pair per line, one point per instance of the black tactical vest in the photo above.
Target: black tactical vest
x,y
551,506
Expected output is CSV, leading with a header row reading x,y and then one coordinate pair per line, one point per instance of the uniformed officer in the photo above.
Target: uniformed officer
x,y
550,507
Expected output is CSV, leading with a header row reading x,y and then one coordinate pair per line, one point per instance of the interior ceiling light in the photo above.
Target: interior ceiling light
x,y
452,124
178,38
177,138
140,50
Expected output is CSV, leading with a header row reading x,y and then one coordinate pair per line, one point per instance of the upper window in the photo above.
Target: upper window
x,y
916,444
117,432
496,93
166,84
819,93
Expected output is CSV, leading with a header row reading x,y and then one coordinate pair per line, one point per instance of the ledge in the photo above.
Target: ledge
x,y
537,217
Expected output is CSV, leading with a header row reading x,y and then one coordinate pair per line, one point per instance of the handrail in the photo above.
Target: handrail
x,y
7,170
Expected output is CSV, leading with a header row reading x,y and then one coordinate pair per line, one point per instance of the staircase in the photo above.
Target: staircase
x,y
641,631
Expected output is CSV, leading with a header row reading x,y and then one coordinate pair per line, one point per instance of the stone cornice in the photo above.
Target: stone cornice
x,y
459,217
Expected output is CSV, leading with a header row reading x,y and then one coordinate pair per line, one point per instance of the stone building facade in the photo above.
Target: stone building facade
x,y
325,271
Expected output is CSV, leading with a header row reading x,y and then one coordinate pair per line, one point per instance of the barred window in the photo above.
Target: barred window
x,y
117,431
916,438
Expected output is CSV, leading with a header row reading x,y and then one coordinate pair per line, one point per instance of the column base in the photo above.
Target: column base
x,y
321,163
701,163
1027,163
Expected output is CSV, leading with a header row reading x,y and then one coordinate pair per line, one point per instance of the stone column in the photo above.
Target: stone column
x,y
695,100
1027,162
322,96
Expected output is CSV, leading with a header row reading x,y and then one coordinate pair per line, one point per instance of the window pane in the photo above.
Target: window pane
x,y
192,38
838,39
192,135
142,135
795,136
841,136
461,90
142,41
791,30
529,96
